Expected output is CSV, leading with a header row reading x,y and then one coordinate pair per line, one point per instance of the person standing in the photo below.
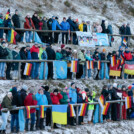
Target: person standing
x,y
36,21
1,25
6,103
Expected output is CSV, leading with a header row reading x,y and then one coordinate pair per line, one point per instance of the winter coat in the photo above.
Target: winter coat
x,y
110,29
56,98
22,21
114,95
91,99
64,54
50,53
44,27
55,24
73,95
88,57
16,56
128,30
81,57
123,30
1,22
23,54
72,25
40,25
65,98
16,21
22,95
6,103
83,27
30,100
65,26
10,55
3,52
103,27
42,54
103,56
41,100
28,55
128,55
97,58
28,22
48,97
58,56
124,94
35,21
79,98
34,52
99,29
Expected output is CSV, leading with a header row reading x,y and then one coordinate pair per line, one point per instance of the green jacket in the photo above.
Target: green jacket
x,y
64,100
58,56
6,103
81,56
10,55
91,107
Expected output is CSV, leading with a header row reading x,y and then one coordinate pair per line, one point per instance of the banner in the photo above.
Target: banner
x,y
85,39
27,70
37,38
115,71
129,67
60,70
100,39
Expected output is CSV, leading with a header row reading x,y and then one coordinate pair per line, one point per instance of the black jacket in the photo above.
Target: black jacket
x,y
114,95
23,54
3,53
50,53
22,95
16,21
48,97
16,56
72,25
36,22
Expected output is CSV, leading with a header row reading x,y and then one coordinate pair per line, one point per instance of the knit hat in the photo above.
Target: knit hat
x,y
25,87
55,90
104,50
31,91
27,45
119,86
130,87
72,83
3,42
46,88
9,93
62,46
86,90
16,10
115,85
28,14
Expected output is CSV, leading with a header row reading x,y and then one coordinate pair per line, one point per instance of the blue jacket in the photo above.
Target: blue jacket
x,y
65,26
54,24
72,25
41,100
88,57
29,57
73,95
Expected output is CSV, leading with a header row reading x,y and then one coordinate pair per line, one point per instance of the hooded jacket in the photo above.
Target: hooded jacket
x,y
65,26
72,95
56,98
34,52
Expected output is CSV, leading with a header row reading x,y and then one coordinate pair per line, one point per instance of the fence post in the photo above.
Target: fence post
x,y
120,110
128,42
53,37
19,71
77,116
44,69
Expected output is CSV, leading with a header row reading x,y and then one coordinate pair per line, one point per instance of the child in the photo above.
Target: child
x,y
91,98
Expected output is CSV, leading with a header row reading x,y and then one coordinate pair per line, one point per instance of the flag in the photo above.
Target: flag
x,y
128,103
42,111
124,42
74,66
28,116
59,114
99,65
69,64
37,38
105,109
115,70
7,14
13,36
21,120
27,70
113,61
122,60
60,69
129,67
83,109
72,112
92,64
88,64
118,61
101,101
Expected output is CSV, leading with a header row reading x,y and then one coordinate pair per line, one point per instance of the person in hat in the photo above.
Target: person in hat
x,y
88,26
30,100
16,20
28,25
104,30
65,26
1,25
6,103
36,20
83,26
63,52
43,56
58,54
41,100
98,27
127,54
3,54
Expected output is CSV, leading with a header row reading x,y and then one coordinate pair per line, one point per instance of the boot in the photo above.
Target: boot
x,y
32,127
26,127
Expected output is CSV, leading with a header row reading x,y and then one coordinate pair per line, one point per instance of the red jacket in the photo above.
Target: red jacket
x,y
29,101
124,94
56,98
27,25
128,56
40,25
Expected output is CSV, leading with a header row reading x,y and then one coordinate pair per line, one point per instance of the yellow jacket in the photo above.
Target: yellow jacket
x,y
81,27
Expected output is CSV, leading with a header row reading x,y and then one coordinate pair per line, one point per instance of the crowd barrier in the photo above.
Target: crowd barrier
x,y
46,61
59,31
77,109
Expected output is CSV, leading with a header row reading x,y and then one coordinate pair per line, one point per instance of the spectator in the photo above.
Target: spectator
x,y
36,21
65,26
16,20
1,25
29,25
58,54
83,26
127,54
41,100
40,27
3,54
103,27
63,52
35,65
6,103
88,26
110,31
94,27
43,56
51,56
45,34
65,99
99,28
75,41
30,100
71,23
14,113
128,32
